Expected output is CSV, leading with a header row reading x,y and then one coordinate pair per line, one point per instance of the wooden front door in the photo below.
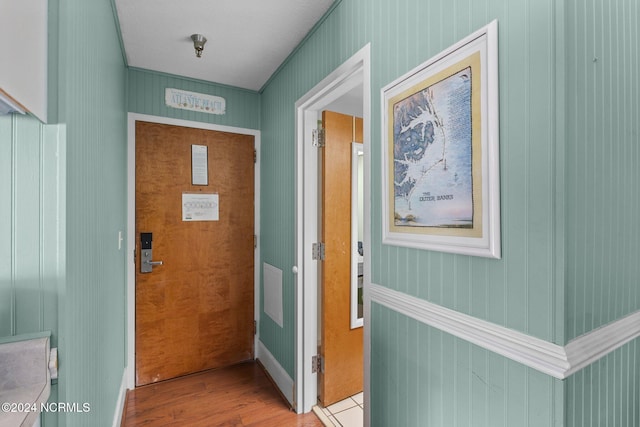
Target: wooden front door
x,y
341,347
195,311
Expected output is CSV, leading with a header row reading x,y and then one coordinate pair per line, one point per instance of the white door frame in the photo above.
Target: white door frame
x,y
356,70
131,224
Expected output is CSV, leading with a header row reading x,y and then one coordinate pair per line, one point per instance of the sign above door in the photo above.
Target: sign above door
x,y
193,101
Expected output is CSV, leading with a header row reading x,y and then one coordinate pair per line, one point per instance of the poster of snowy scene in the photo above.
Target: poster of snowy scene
x,y
440,151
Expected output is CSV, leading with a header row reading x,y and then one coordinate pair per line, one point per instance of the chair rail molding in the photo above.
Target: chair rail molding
x,y
552,359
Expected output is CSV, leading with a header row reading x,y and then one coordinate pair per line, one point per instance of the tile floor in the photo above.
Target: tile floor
x,y
346,413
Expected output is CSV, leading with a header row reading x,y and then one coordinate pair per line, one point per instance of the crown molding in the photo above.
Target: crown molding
x,y
549,358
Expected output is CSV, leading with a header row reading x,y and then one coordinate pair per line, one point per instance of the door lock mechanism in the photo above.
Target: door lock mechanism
x,y
146,263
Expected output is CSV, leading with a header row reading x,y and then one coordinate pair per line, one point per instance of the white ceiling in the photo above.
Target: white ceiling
x,y
247,40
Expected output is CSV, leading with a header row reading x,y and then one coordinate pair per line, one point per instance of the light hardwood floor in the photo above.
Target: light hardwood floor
x,y
241,395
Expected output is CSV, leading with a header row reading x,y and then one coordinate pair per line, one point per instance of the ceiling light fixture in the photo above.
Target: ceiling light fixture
x,y
198,43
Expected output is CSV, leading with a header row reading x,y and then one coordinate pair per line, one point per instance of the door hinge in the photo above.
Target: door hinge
x,y
317,364
255,241
255,156
255,327
317,251
134,256
317,139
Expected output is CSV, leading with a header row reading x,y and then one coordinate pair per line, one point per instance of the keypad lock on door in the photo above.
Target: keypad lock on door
x,y
146,263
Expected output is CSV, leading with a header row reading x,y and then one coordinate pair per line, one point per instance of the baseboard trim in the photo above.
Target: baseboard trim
x,y
120,403
549,358
277,372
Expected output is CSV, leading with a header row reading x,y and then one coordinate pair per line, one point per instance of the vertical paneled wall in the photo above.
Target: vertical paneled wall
x,y
602,199
606,393
602,157
92,104
277,215
31,209
146,96
562,200
425,377
518,291
32,224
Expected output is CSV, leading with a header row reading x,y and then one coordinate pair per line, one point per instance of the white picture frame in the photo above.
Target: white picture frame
x,y
440,151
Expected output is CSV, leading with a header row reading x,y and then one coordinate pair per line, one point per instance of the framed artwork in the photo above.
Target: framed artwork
x,y
440,151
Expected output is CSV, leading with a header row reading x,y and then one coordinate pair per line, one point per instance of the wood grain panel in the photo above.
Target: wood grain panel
x,y
341,346
195,312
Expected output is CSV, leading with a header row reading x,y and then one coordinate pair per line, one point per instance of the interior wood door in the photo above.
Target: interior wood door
x,y
340,346
196,310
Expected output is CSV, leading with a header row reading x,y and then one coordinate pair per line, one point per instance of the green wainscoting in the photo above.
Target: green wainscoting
x,y
425,377
606,393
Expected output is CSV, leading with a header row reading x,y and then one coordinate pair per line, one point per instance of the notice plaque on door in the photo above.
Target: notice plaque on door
x,y
199,165
200,207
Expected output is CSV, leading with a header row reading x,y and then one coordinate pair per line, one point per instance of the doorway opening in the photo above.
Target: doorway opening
x,y
345,90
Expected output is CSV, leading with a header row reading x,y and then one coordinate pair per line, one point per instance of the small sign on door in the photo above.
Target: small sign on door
x,y
200,207
199,165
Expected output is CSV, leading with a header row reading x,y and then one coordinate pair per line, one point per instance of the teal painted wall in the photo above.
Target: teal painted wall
x,y
146,96
277,212
602,157
32,217
31,248
569,133
568,129
606,393
518,291
92,105
602,197
62,272
425,377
